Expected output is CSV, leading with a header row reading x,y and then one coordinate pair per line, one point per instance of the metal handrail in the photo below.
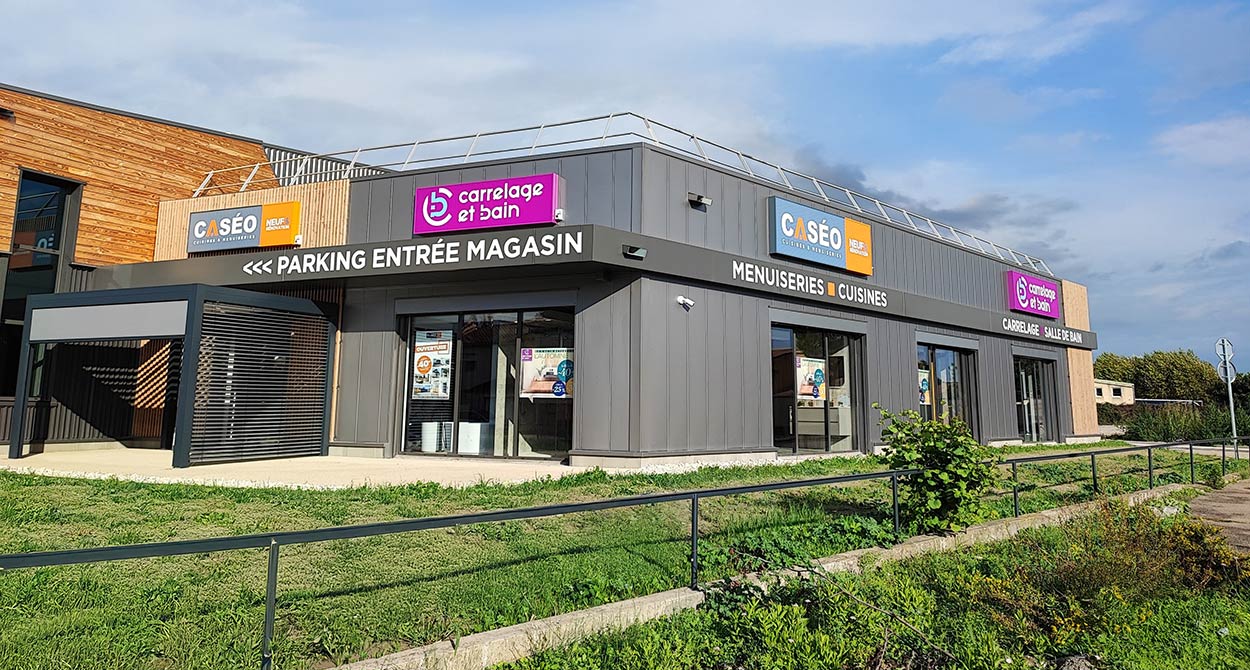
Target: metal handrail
x,y
272,541
231,179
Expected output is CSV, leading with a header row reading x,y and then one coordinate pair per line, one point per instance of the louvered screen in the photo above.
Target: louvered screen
x,y
261,388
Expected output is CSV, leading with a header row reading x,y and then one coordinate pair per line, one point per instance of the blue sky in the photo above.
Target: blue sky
x,y
1110,138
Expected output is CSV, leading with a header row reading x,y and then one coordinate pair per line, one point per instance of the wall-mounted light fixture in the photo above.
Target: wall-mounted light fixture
x,y
7,114
698,200
686,303
636,253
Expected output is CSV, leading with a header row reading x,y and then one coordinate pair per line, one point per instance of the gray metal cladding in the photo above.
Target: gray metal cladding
x,y
599,189
260,391
736,223
705,374
605,348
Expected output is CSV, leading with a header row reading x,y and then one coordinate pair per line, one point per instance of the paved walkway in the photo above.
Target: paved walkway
x,y
326,472
1229,510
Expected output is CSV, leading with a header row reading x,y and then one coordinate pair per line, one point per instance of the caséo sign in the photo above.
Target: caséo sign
x,y
495,203
808,234
272,225
1032,295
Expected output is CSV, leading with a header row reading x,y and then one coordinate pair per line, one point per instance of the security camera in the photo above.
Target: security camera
x,y
559,215
686,303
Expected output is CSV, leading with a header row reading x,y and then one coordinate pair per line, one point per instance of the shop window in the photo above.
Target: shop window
x,y
944,384
491,384
814,381
43,204
1035,404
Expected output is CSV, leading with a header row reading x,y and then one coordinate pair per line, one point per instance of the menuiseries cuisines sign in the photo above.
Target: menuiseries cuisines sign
x,y
272,225
808,234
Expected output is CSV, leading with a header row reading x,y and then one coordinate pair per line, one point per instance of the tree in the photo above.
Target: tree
x,y
1241,391
1115,367
1174,375
1178,375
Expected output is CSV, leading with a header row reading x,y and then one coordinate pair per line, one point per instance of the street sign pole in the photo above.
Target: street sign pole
x,y
1224,349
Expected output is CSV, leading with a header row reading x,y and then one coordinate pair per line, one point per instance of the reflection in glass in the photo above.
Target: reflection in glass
x,y
813,390
432,357
487,384
1032,393
941,388
783,388
546,412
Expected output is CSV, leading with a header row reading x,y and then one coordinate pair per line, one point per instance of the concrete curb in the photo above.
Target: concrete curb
x,y
503,645
482,650
990,531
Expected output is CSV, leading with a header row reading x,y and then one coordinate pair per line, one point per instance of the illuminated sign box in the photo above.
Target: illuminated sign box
x,y
1032,295
811,235
494,203
257,226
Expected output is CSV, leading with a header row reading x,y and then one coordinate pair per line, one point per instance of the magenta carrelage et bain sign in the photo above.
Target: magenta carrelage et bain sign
x,y
1032,295
495,203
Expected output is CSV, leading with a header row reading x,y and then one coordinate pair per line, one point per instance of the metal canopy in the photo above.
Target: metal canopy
x,y
138,313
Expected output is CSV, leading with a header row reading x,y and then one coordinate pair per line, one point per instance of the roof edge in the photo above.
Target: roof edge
x,y
122,112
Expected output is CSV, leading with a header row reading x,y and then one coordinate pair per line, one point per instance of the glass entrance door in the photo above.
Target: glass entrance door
x,y
1033,393
491,384
944,384
814,382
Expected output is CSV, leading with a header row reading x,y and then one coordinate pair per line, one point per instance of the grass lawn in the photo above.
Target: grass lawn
x,y
342,600
1120,587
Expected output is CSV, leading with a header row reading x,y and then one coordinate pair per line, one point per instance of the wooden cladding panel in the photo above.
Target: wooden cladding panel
x,y
127,165
1075,305
1080,362
323,214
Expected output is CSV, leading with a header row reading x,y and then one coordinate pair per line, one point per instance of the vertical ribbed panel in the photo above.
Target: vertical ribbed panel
x,y
261,387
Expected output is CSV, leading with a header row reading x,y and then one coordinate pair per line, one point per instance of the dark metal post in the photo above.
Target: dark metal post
x,y
271,598
1150,464
1193,479
694,542
1093,470
894,499
1015,489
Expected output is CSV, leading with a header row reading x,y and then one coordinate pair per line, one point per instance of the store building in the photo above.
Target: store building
x,y
1113,392
610,291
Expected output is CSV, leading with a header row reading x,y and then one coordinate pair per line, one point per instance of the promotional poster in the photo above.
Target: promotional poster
x,y
547,373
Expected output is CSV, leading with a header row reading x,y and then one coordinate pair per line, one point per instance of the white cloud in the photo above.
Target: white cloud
x,y
1220,143
1044,40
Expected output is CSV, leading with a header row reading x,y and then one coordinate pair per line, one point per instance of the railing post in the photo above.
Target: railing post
x,y
694,542
1015,489
1193,479
271,598
1223,457
1150,464
894,499
1093,470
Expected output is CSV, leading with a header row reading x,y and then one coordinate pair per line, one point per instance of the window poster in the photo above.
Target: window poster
x,y
431,364
810,378
547,373
925,398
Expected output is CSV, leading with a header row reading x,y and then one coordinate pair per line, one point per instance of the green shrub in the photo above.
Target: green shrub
x,y
1175,423
956,471
1113,415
